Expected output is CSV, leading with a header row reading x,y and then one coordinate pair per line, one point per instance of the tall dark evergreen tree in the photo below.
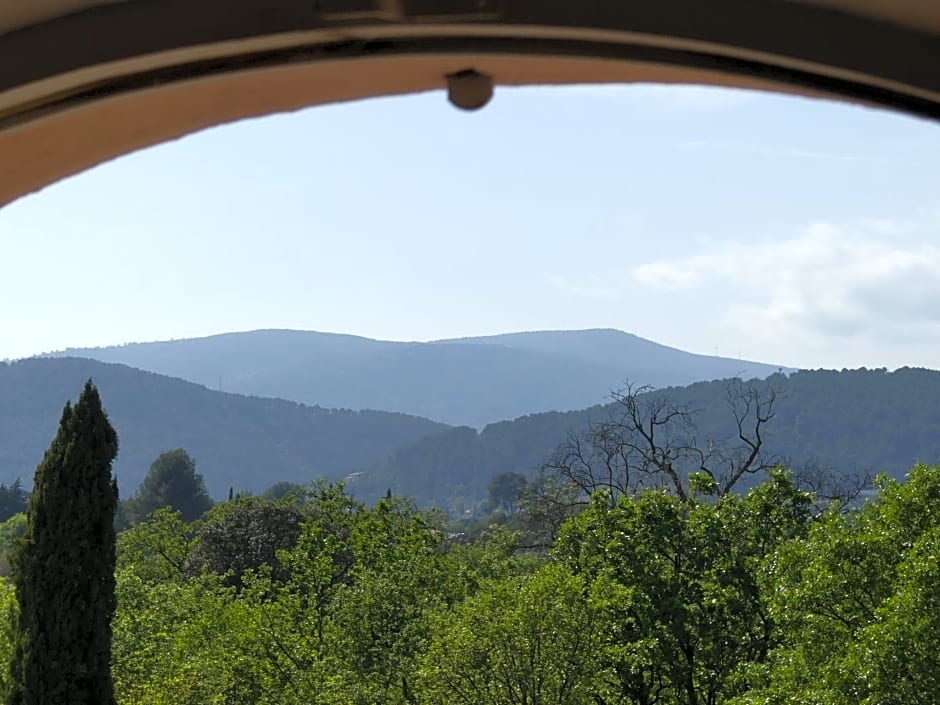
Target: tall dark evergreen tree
x,y
63,570
172,481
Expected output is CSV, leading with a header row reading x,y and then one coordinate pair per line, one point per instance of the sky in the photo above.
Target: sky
x,y
798,232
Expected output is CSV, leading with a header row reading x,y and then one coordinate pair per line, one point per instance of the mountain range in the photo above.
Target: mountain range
x,y
466,381
853,420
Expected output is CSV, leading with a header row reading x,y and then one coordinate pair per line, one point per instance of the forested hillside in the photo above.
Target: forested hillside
x,y
239,441
851,421
471,382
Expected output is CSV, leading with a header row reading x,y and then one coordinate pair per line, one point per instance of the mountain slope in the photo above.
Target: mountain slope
x,y
239,441
471,382
851,421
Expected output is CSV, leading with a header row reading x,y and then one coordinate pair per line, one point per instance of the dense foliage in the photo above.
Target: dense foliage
x,y
63,568
746,598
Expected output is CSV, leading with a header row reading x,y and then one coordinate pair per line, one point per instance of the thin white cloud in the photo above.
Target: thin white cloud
x,y
870,282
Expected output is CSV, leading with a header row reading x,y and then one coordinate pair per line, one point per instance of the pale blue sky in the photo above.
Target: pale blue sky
x,y
797,232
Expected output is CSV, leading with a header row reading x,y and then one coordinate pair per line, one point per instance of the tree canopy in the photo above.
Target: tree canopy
x,y
747,598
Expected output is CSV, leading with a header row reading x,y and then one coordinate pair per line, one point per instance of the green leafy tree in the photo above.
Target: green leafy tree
x,y
400,575
677,585
172,481
7,620
10,532
185,643
156,550
64,567
528,640
856,602
895,659
294,618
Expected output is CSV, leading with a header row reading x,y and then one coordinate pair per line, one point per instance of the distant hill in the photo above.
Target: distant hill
x,y
239,441
472,381
852,421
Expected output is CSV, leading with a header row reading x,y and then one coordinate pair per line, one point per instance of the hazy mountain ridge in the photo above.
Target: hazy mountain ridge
x,y
239,441
653,363
469,381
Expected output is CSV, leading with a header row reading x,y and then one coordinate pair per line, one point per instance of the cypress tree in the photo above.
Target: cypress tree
x,y
63,570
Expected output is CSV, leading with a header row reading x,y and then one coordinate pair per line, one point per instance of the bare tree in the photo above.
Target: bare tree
x,y
830,486
651,441
753,407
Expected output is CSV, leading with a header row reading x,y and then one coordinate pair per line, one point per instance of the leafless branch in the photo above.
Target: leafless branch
x,y
829,486
647,441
